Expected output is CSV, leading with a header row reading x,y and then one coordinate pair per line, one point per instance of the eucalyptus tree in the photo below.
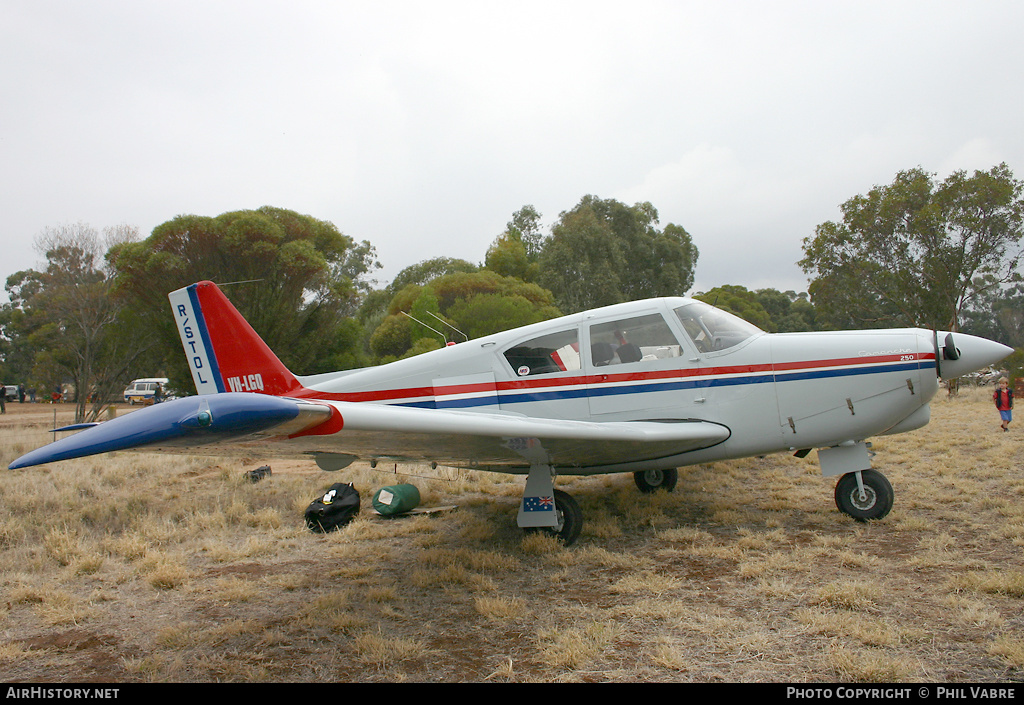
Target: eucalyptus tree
x,y
295,278
917,251
604,251
81,335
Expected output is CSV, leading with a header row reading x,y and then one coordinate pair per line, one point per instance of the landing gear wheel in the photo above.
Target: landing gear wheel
x,y
571,516
874,503
653,480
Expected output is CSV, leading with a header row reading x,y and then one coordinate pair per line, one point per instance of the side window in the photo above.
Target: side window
x,y
632,340
555,352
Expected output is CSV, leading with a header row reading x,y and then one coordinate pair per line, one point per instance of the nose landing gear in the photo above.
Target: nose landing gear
x,y
864,495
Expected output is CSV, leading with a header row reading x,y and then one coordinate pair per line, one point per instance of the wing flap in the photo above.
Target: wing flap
x,y
414,420
487,440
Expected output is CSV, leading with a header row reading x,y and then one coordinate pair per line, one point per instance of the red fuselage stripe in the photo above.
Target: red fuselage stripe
x,y
384,395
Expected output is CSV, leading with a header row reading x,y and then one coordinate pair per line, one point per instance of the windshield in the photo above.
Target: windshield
x,y
713,329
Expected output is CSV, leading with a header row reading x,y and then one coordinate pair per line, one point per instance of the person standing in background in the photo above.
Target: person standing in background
x,y
1003,398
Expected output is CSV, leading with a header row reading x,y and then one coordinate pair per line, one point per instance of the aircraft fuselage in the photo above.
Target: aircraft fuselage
x,y
775,392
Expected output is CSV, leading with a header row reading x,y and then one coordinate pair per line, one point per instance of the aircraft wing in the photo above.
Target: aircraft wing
x,y
336,433
501,440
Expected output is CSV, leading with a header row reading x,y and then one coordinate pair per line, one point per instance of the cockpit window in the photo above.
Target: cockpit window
x,y
632,340
555,352
713,329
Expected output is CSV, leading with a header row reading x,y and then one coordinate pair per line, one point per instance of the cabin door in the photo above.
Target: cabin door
x,y
636,368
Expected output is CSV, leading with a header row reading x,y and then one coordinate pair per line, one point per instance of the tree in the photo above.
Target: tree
x,y
68,314
428,270
297,277
740,301
474,303
507,256
603,252
917,252
525,227
515,252
789,311
998,314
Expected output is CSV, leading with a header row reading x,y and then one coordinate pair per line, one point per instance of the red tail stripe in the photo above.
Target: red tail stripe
x,y
239,350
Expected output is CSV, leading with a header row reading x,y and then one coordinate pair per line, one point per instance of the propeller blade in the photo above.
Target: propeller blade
x,y
949,350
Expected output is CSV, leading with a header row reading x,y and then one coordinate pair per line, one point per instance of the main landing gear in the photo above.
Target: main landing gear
x,y
546,509
653,480
556,512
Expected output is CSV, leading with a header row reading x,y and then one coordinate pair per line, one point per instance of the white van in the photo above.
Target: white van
x,y
142,391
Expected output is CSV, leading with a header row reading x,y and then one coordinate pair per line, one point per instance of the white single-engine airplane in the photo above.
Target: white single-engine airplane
x,y
642,387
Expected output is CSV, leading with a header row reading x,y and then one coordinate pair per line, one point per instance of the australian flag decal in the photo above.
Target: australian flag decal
x,y
538,504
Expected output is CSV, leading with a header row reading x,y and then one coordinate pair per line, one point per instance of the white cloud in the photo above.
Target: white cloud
x,y
422,127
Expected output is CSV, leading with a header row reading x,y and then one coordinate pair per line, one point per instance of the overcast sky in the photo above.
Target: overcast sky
x,y
422,126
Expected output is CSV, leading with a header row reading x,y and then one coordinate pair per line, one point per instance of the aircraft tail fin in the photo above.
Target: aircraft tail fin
x,y
225,354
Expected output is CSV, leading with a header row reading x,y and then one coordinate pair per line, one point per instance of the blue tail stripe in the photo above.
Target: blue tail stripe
x,y
204,333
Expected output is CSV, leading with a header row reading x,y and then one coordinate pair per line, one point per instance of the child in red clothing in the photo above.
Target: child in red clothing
x,y
1003,397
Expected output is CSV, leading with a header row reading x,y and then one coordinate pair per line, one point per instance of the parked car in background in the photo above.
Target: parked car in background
x,y
991,375
143,391
988,375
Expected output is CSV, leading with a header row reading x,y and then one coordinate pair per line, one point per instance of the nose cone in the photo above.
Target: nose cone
x,y
960,353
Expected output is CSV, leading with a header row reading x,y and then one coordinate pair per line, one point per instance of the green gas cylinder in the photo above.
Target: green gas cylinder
x,y
396,499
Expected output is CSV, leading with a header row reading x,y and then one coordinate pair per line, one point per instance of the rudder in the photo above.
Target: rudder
x,y
225,354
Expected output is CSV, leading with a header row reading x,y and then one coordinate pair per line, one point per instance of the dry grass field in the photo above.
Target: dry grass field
x,y
135,567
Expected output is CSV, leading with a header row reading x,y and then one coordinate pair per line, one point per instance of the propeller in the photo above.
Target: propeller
x,y
947,351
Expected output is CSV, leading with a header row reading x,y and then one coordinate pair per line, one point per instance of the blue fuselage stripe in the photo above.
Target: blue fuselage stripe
x,y
520,397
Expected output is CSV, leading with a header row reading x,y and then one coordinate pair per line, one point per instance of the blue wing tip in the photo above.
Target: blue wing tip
x,y
226,415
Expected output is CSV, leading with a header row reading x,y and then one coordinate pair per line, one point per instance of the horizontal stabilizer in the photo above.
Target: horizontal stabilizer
x,y
189,421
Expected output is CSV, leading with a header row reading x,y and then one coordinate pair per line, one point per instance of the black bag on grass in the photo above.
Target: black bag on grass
x,y
336,508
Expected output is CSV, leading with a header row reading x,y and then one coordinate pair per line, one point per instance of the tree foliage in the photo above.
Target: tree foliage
x,y
739,301
603,252
474,303
299,277
67,315
917,252
770,310
428,270
515,252
998,314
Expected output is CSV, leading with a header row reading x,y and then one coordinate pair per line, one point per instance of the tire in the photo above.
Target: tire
x,y
875,504
653,480
572,519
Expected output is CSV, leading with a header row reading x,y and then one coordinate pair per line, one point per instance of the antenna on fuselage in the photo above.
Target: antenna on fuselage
x,y
443,336
244,281
449,325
